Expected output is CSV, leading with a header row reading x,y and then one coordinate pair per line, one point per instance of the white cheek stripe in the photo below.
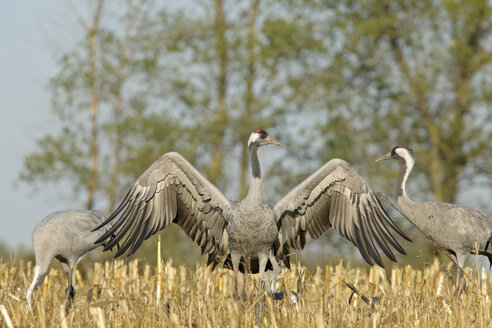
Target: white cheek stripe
x,y
406,155
253,137
409,162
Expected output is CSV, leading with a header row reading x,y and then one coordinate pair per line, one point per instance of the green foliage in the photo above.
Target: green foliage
x,y
57,157
287,39
408,72
328,79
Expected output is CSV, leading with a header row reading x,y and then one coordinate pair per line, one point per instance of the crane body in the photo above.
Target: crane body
x,y
457,229
68,237
249,235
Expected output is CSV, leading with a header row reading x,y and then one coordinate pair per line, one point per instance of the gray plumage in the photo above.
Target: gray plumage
x,y
251,235
66,236
457,229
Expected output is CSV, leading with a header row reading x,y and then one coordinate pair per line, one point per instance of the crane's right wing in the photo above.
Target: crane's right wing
x,y
337,196
170,190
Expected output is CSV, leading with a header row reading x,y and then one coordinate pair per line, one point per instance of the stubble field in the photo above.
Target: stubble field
x,y
120,294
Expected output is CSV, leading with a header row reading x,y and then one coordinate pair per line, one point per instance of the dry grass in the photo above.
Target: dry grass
x,y
124,295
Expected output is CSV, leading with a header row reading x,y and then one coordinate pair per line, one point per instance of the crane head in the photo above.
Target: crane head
x,y
400,152
261,138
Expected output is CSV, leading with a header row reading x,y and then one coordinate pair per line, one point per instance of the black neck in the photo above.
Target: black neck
x,y
255,164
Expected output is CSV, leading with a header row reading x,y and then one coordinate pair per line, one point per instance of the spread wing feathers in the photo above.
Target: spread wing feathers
x,y
337,196
170,190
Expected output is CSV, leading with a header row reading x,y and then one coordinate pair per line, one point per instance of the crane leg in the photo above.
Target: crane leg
x,y
235,258
291,295
69,291
460,259
276,271
263,259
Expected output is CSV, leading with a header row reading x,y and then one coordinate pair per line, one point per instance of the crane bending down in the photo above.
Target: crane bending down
x,y
459,230
172,190
66,236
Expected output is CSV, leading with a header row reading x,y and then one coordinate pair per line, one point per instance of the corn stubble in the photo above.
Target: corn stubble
x,y
121,294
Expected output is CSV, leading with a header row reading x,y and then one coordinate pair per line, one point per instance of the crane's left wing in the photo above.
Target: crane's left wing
x,y
336,195
170,190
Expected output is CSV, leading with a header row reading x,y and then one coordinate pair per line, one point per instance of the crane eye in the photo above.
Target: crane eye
x,y
261,133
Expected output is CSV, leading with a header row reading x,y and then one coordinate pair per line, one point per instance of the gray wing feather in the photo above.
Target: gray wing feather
x,y
170,190
337,196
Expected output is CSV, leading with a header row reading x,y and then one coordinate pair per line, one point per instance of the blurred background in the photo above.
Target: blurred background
x,y
92,92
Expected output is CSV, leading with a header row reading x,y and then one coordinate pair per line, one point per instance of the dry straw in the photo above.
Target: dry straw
x,y
121,294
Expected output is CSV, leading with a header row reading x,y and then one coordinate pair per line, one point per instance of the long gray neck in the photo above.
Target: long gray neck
x,y
254,193
255,163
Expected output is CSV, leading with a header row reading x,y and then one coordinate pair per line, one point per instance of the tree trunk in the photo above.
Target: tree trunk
x,y
221,120
117,113
249,111
94,110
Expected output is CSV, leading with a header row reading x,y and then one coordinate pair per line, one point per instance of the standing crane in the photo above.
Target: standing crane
x,y
457,229
66,236
172,190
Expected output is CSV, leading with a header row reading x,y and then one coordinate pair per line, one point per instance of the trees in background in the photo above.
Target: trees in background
x,y
416,73
326,78
103,86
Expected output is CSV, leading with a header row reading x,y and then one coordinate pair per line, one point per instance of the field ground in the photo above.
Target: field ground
x,y
120,294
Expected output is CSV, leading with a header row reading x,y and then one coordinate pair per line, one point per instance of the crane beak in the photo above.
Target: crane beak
x,y
270,141
383,158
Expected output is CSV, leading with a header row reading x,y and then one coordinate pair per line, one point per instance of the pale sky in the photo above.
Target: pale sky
x,y
28,30
32,34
